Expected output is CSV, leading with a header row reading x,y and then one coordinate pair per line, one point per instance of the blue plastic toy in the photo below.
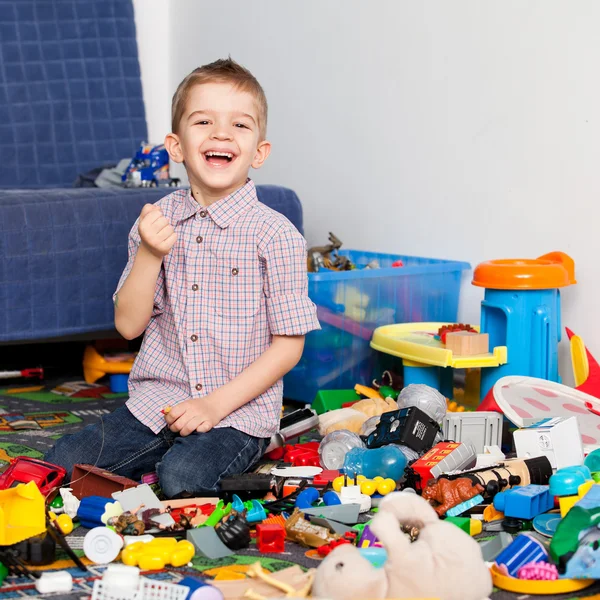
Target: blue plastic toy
x,y
459,509
387,462
200,590
521,310
255,513
524,502
524,549
149,168
91,510
585,563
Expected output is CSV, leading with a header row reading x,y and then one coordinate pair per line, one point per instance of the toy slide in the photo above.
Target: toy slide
x,y
417,342
96,366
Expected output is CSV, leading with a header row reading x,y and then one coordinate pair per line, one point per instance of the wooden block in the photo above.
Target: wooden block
x,y
466,343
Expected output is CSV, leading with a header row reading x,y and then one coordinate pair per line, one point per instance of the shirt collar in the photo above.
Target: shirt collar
x,y
224,211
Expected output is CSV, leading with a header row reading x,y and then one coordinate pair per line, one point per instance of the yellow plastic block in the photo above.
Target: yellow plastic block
x,y
22,513
158,553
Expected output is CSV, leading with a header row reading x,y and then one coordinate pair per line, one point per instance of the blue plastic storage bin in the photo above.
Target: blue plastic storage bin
x,y
351,304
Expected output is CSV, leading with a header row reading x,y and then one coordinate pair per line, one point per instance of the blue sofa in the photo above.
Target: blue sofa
x,y
70,101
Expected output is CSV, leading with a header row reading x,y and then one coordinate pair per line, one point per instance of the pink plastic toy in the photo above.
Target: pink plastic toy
x,y
541,571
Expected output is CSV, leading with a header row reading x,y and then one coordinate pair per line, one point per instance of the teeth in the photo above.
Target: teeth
x,y
226,154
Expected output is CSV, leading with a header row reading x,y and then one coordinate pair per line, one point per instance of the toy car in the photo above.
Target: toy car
x,y
149,168
47,477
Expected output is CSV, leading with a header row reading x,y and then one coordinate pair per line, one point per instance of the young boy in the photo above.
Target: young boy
x,y
218,283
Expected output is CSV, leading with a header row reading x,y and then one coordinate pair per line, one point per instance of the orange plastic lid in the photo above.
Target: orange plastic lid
x,y
550,271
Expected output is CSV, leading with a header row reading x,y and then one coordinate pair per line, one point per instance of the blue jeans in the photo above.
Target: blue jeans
x,y
189,465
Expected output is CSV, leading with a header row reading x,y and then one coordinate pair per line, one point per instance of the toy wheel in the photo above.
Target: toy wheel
x,y
102,545
153,183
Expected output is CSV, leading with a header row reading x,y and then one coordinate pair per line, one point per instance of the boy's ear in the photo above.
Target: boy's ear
x,y
262,151
173,146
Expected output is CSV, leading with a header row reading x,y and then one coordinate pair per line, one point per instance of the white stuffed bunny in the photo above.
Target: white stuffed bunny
x,y
444,562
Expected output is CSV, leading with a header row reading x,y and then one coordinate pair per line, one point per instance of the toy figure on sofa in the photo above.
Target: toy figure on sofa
x,y
443,562
149,168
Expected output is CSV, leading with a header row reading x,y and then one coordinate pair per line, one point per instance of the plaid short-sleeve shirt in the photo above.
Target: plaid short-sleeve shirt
x,y
235,277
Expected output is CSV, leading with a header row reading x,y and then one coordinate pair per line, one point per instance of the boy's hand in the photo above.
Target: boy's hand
x,y
195,414
157,234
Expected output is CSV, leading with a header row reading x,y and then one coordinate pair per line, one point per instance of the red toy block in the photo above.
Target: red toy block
x,y
270,538
325,477
302,455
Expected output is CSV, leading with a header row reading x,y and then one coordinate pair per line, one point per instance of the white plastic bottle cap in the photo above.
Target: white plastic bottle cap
x,y
102,545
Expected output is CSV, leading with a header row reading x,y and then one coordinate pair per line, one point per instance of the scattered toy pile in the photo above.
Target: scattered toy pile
x,y
386,467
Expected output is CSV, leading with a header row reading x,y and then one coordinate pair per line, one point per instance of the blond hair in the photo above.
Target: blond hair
x,y
224,70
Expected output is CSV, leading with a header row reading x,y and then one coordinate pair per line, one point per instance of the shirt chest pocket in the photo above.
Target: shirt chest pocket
x,y
239,286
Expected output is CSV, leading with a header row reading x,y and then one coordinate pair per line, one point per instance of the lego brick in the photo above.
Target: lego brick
x,y
270,538
466,343
88,480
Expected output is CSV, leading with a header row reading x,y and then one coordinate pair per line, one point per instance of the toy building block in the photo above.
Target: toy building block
x,y
270,538
524,502
467,343
93,481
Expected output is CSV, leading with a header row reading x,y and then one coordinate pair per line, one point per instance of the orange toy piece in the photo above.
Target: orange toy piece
x,y
467,343
96,366
363,390
553,270
448,493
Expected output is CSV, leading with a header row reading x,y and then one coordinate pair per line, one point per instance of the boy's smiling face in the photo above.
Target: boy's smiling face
x,y
218,139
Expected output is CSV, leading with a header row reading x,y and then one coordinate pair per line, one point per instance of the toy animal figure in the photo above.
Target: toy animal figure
x,y
448,493
443,562
327,257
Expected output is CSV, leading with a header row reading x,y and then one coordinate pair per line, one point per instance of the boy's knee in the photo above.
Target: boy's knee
x,y
178,478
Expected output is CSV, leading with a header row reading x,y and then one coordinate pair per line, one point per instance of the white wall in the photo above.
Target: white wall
x,y
466,129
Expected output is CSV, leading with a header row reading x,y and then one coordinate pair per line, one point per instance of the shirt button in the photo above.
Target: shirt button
x,y
235,271
199,239
194,338
195,287
203,213
198,386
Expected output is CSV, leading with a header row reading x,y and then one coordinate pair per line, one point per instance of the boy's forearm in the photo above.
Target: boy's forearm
x,y
280,358
135,300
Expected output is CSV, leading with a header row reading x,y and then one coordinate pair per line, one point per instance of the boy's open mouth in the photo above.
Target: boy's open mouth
x,y
218,159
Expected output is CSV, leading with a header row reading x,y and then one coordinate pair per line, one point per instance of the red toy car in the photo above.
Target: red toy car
x,y
48,477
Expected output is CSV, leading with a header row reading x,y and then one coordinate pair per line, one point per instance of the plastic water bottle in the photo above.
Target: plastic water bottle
x,y
387,461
